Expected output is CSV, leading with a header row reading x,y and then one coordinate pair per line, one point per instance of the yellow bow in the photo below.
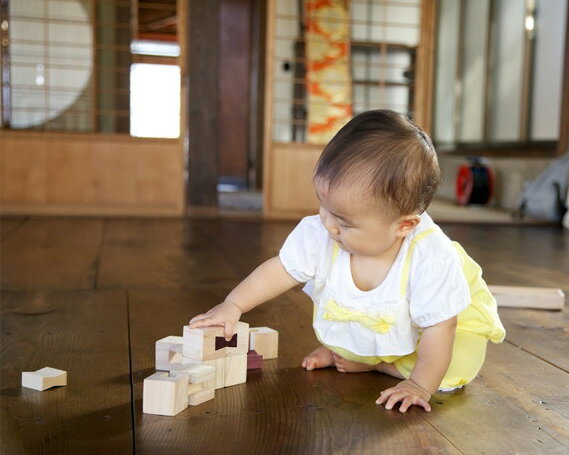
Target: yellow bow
x,y
335,312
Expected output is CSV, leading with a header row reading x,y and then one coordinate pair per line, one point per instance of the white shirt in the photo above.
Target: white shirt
x,y
424,286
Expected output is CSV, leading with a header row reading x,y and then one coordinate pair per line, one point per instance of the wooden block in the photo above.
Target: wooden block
x,y
199,344
168,352
194,388
44,378
529,297
201,397
197,373
235,370
264,341
209,343
254,360
165,395
242,332
218,381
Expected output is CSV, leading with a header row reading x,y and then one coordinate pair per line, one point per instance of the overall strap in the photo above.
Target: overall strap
x,y
407,263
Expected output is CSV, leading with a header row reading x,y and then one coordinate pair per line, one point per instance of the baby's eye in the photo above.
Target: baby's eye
x,y
345,226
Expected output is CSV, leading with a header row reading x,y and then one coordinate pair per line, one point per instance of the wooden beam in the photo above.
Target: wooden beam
x,y
529,297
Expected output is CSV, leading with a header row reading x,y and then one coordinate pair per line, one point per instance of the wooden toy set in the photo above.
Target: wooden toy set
x,y
191,367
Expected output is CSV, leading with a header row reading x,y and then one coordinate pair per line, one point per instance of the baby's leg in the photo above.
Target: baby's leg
x,y
321,357
348,366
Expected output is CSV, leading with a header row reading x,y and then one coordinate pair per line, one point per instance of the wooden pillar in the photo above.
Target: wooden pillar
x,y
425,66
201,128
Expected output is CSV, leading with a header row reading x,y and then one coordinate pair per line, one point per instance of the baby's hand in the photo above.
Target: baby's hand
x,y
406,392
225,314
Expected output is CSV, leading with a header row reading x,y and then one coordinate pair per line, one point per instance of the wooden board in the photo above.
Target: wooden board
x,y
529,297
86,334
56,173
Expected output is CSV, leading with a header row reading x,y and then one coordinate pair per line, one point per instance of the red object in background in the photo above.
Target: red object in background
x,y
474,183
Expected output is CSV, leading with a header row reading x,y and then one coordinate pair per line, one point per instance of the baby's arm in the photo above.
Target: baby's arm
x,y
267,281
433,359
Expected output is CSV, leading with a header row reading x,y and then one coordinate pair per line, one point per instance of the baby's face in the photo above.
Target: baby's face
x,y
356,224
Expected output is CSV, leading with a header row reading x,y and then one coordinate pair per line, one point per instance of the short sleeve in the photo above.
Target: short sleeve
x,y
438,289
299,254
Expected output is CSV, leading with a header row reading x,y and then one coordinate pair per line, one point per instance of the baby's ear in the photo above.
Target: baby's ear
x,y
406,224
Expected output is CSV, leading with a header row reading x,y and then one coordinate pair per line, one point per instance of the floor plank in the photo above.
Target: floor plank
x,y
86,334
282,408
518,404
544,334
52,253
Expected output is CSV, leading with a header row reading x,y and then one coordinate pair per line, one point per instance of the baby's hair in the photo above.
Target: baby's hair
x,y
390,155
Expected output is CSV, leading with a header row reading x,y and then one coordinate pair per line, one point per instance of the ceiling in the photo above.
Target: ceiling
x,y
157,20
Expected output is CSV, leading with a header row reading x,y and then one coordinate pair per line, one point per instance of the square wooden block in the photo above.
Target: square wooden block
x,y
165,395
265,341
209,343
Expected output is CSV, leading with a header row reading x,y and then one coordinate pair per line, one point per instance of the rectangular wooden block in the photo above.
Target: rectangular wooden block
x,y
44,378
194,388
165,395
197,373
201,397
235,370
168,352
265,341
528,297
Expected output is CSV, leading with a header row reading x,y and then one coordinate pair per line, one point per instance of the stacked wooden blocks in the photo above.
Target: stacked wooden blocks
x,y
196,364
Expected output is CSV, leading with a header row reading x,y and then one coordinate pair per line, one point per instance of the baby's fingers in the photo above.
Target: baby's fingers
x,y
411,400
203,321
394,399
384,395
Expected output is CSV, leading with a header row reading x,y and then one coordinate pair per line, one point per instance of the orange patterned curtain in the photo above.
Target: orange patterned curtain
x,y
327,68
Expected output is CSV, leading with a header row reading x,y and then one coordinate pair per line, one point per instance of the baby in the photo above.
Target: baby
x,y
391,291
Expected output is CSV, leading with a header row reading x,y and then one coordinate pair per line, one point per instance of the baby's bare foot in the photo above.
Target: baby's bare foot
x,y
349,366
321,357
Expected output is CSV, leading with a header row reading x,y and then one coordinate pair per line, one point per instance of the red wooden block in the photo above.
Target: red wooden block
x,y
254,360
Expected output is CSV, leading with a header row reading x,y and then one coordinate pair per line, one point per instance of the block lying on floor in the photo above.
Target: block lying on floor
x,y
44,378
265,341
165,395
529,297
169,352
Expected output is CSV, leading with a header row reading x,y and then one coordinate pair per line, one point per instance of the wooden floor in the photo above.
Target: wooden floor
x,y
91,296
